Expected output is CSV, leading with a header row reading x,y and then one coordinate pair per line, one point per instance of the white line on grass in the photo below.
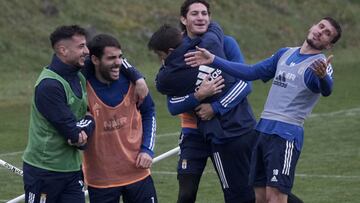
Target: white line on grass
x,y
168,134
165,172
12,153
298,175
345,112
326,176
160,135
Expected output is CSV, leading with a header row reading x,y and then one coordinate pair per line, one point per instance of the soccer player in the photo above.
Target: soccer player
x,y
58,124
118,157
301,75
231,139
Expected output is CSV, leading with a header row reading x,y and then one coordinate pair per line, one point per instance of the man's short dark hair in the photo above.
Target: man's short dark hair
x,y
337,27
99,42
187,3
66,32
164,38
184,9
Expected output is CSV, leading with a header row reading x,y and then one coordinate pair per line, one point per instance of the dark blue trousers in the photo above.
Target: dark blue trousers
x,y
41,185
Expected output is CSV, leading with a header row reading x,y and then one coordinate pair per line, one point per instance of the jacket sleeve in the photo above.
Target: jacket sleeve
x,y
233,97
264,70
147,110
241,89
130,71
50,100
319,85
178,105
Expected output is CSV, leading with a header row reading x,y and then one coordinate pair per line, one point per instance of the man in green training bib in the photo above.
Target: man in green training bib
x,y
59,126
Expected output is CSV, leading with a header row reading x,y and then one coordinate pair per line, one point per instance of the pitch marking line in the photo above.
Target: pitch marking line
x,y
298,175
12,153
158,136
345,112
168,134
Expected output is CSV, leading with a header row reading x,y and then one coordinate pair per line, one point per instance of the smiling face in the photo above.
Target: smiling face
x,y
320,35
197,20
107,68
74,50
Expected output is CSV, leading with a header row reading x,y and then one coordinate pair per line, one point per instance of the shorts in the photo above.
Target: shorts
x,y
273,163
194,153
232,163
142,191
42,185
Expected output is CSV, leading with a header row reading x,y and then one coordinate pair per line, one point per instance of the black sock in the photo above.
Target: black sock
x,y
294,199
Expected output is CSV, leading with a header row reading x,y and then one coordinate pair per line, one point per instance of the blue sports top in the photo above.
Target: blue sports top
x,y
178,105
265,70
179,82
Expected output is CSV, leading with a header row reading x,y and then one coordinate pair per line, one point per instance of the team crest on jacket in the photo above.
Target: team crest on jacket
x,y
96,109
43,198
184,164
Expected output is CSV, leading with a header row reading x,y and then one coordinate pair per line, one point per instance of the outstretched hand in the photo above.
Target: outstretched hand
x,y
319,66
199,57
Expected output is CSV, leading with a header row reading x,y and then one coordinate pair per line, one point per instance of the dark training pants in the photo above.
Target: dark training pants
x,y
48,186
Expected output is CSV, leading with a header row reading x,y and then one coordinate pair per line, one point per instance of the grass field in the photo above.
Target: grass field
x,y
328,171
329,166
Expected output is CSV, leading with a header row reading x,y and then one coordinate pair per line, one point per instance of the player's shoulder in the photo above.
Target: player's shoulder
x,y
280,52
126,64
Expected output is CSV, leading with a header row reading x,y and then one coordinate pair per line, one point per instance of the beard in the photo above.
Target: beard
x,y
77,64
105,73
312,45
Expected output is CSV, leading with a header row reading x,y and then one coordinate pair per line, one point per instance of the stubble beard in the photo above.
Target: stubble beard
x,y
312,45
106,74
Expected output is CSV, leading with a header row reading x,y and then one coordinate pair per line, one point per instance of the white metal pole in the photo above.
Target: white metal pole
x,y
166,154
20,172
17,199
11,167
